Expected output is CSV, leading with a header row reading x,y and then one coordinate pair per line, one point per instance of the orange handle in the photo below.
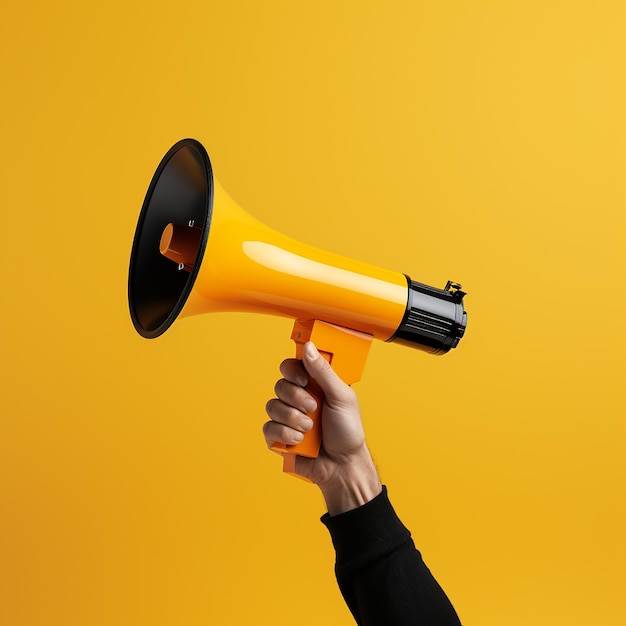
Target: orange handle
x,y
346,350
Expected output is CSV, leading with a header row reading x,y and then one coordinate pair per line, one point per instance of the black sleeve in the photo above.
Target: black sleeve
x,y
381,574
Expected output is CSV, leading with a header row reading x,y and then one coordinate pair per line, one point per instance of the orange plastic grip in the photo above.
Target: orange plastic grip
x,y
346,350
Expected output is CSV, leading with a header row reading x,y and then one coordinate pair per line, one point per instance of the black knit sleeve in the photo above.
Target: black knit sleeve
x,y
382,576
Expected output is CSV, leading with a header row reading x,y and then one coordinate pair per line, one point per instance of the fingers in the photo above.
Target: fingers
x,y
319,369
288,410
294,372
287,424
288,415
279,433
295,396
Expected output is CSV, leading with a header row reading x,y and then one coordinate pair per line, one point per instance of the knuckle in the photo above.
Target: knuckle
x,y
288,367
351,395
284,366
293,416
348,395
278,386
269,440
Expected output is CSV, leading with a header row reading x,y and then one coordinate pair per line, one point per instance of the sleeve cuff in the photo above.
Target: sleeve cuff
x,y
365,534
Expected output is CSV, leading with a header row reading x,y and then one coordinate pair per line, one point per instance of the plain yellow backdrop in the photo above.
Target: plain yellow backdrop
x,y
482,142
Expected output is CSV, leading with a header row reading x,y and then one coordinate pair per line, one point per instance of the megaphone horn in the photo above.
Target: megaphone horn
x,y
196,251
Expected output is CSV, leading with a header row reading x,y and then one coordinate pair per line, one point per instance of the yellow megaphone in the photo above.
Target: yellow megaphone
x,y
196,251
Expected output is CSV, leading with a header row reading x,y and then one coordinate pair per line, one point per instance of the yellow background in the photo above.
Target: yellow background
x,y
481,142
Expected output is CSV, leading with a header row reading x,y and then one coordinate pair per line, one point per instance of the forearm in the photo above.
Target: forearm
x,y
353,483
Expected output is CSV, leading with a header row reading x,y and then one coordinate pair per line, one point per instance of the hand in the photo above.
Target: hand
x,y
344,469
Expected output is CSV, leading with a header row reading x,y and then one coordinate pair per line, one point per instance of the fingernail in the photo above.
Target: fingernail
x,y
307,424
298,436
309,405
310,350
302,380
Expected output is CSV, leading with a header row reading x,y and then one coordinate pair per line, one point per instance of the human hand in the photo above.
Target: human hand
x,y
344,469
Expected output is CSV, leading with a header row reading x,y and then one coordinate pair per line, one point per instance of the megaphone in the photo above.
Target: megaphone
x,y
196,251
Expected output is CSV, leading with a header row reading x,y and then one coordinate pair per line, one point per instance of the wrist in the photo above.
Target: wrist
x,y
353,484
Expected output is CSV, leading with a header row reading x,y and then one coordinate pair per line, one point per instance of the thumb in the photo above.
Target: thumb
x,y
318,367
